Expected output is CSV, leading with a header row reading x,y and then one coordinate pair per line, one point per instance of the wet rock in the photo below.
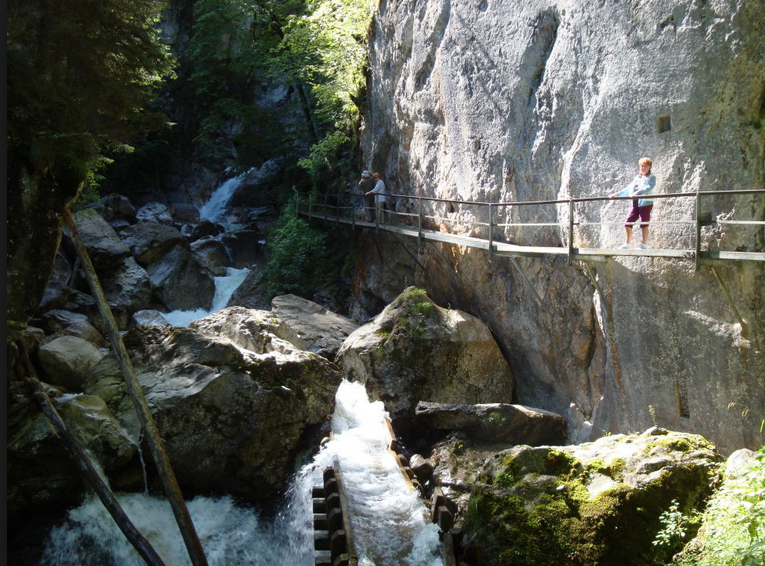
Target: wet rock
x,y
128,287
317,329
148,317
154,213
180,282
117,210
41,471
105,248
206,228
212,254
184,213
232,419
150,242
245,246
66,361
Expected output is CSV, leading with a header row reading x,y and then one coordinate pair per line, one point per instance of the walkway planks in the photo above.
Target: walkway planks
x,y
502,249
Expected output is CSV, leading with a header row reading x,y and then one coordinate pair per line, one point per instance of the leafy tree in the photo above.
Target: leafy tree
x,y
297,257
80,75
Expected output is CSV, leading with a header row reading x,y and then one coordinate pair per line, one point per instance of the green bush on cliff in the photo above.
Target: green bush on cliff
x,y
297,257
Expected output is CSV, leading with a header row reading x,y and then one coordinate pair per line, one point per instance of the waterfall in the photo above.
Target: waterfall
x,y
214,208
388,519
224,288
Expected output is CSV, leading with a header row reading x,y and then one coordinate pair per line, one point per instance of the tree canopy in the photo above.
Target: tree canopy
x,y
80,76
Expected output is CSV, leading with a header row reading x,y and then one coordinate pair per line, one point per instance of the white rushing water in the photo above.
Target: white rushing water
x,y
389,521
224,288
214,208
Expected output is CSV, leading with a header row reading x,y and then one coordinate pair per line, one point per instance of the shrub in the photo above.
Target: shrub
x,y
297,257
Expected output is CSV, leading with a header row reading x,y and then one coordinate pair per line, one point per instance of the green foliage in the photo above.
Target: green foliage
x,y
80,78
90,193
734,522
326,157
325,48
297,257
675,526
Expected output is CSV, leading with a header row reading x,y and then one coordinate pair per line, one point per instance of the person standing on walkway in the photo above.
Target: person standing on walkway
x,y
379,195
366,184
641,188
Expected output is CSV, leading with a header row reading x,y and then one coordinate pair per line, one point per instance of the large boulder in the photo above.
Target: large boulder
x,y
182,283
66,360
155,213
233,420
104,246
495,422
150,242
212,253
117,210
40,470
417,351
128,287
318,329
595,503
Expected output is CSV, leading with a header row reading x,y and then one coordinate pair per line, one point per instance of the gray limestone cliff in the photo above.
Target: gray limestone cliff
x,y
519,101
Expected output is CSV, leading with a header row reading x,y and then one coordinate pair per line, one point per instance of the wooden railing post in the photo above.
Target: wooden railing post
x,y
570,229
491,231
419,222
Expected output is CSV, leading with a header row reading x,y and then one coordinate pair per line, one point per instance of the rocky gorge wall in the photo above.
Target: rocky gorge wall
x,y
517,101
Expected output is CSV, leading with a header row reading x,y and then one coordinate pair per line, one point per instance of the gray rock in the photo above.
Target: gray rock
x,y
232,420
155,213
317,329
40,470
150,242
117,210
105,248
66,361
128,286
416,350
58,319
549,107
184,213
180,282
148,317
212,253
495,422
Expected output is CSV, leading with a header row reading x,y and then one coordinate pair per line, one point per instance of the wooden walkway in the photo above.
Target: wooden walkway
x,y
409,224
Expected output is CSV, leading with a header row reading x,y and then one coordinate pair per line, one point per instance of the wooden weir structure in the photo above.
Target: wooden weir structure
x,y
483,225
332,522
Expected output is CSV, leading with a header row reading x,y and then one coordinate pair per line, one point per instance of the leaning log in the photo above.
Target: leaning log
x,y
87,467
169,482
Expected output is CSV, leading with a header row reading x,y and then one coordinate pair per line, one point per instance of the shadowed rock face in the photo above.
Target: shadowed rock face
x,y
508,101
415,350
495,422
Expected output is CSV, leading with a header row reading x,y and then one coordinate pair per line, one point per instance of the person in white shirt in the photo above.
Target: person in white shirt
x,y
641,186
380,197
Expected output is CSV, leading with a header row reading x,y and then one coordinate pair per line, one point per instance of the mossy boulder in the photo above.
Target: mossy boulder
x,y
593,504
415,350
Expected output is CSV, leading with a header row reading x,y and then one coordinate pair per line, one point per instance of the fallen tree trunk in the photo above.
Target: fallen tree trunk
x,y
169,482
